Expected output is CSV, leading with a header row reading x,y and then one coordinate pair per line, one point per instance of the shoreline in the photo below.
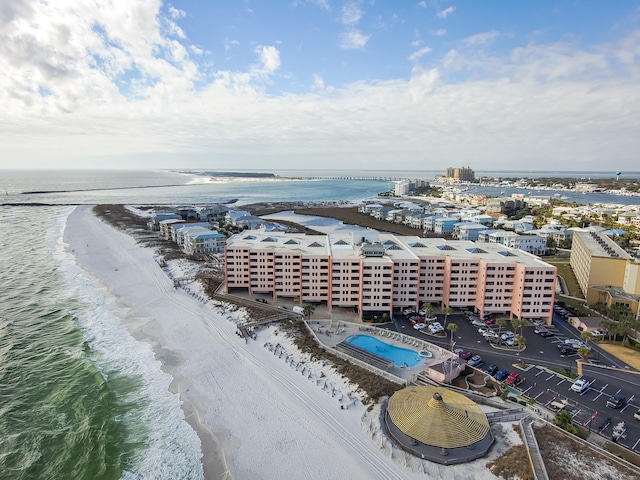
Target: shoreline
x,y
270,421
213,460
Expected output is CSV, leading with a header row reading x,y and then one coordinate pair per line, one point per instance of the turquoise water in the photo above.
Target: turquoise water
x,y
399,356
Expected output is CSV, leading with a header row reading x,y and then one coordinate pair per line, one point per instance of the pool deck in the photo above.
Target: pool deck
x,y
332,333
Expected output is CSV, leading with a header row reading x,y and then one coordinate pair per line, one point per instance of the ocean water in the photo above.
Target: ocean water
x,y
171,188
79,397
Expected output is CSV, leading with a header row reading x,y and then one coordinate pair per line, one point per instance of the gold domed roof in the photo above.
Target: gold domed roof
x,y
438,417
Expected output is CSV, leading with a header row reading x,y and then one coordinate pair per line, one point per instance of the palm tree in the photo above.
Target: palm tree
x,y
586,336
608,326
446,311
522,343
308,310
519,323
584,353
453,328
428,309
501,322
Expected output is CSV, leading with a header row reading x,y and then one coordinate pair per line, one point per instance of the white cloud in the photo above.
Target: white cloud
x,y
423,4
176,13
354,40
109,87
439,32
351,14
446,12
416,43
229,44
318,82
270,58
481,38
419,53
196,50
323,4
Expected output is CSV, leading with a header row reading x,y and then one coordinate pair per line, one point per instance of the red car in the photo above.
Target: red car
x,y
514,379
466,355
490,320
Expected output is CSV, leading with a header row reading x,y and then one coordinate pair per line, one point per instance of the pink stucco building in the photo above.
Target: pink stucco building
x,y
383,273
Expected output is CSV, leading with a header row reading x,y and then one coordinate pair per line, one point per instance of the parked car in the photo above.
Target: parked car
x,y
616,401
509,342
597,334
507,335
514,379
490,321
261,300
419,326
493,339
637,415
575,343
545,333
581,384
501,375
483,330
491,369
475,361
435,327
466,355
282,307
566,349
478,323
458,351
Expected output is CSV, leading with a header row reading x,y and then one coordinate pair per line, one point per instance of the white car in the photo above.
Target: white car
x,y
597,333
478,323
484,330
581,384
420,326
507,335
575,343
436,327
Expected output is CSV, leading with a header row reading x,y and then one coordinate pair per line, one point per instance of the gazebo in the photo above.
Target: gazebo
x,y
438,425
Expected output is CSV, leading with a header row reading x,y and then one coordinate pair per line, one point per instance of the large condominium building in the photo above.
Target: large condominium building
x,y
604,271
376,273
463,174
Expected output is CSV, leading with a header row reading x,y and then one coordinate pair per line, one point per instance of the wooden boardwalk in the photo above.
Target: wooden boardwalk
x,y
539,470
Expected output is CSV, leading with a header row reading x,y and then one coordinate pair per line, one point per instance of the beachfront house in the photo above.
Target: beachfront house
x,y
178,231
165,225
154,221
201,241
177,227
250,222
232,216
468,231
212,213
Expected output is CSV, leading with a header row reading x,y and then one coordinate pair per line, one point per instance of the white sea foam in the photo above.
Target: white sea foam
x,y
171,447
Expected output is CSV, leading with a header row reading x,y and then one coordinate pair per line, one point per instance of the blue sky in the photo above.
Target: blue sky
x,y
282,84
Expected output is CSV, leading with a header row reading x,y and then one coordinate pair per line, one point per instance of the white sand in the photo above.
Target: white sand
x,y
273,417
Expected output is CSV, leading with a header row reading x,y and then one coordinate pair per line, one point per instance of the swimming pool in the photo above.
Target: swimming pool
x,y
399,356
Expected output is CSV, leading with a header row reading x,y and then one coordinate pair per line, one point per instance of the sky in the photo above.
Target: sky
x,y
294,84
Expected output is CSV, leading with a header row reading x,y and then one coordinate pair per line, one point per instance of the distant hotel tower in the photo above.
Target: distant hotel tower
x,y
460,174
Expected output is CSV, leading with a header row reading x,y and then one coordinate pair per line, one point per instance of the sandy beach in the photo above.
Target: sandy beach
x,y
256,415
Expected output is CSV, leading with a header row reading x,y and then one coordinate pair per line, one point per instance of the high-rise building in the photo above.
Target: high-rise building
x,y
379,273
460,174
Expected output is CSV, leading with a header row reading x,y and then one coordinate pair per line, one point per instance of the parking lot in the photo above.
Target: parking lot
x,y
588,408
548,388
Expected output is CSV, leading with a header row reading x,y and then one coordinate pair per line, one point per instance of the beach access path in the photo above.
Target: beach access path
x,y
256,417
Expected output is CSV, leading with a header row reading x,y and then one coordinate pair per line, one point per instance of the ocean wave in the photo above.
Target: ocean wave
x,y
164,444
